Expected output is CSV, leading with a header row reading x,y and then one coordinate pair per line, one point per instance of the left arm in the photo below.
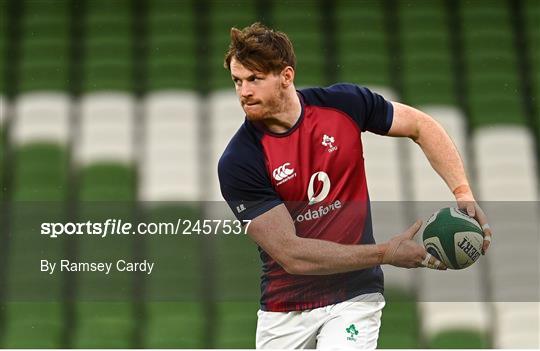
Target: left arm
x,y
442,155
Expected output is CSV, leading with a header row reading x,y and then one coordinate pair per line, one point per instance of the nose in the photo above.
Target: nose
x,y
245,90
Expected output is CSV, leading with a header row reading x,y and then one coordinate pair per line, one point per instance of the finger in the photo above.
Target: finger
x,y
488,233
433,263
480,216
471,209
487,238
425,262
439,265
413,229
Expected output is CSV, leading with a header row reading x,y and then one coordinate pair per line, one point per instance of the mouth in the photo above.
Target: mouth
x,y
250,102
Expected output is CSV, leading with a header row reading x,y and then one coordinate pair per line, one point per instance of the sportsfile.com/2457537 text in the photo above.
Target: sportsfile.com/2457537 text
x,y
122,227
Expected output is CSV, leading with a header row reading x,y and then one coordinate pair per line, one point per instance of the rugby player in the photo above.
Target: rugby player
x,y
295,168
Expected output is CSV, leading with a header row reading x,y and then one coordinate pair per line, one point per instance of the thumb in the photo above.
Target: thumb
x,y
413,229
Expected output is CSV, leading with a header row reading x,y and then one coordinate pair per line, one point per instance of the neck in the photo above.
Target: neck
x,y
288,114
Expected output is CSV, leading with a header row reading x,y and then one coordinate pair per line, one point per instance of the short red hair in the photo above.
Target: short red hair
x,y
261,49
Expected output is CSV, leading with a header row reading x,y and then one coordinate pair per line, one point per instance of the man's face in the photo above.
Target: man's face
x,y
260,94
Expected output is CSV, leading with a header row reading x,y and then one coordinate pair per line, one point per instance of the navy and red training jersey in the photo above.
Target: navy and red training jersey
x,y
317,170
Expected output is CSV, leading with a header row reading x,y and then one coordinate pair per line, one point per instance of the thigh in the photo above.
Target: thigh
x,y
288,330
354,324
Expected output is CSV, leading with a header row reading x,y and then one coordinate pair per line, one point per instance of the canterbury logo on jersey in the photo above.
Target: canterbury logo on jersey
x,y
283,173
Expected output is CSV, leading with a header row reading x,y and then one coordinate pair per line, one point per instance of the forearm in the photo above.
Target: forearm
x,y
435,143
321,257
275,233
441,152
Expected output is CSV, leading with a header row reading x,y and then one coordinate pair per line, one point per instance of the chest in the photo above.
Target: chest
x,y
324,151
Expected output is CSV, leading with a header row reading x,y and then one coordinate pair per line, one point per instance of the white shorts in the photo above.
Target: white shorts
x,y
352,324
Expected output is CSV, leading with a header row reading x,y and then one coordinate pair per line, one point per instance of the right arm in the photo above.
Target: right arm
x,y
275,233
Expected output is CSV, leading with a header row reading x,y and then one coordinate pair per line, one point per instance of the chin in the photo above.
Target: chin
x,y
254,116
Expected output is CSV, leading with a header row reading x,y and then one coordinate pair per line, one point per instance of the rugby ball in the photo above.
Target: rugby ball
x,y
453,237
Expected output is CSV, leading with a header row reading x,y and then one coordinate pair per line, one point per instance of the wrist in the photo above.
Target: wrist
x,y
381,251
463,191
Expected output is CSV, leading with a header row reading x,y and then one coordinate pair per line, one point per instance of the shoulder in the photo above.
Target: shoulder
x,y
243,177
244,151
367,108
334,94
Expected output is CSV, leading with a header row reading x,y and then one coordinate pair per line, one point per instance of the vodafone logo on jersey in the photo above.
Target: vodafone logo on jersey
x,y
323,193
283,173
318,189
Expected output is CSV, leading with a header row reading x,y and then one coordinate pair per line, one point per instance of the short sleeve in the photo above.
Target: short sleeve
x,y
368,109
244,181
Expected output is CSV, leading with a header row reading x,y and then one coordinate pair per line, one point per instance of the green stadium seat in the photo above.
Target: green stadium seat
x,y
34,316
175,325
33,325
108,46
491,64
302,23
106,179
532,18
362,44
171,46
496,107
427,72
101,183
238,323
40,173
108,73
399,323
2,157
104,308
44,44
104,325
459,339
3,48
175,311
238,277
223,16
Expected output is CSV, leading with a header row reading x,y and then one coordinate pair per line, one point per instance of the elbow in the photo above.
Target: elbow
x,y
292,262
295,267
299,268
425,126
416,133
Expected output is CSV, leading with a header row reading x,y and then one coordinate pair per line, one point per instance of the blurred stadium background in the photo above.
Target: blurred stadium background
x,y
116,100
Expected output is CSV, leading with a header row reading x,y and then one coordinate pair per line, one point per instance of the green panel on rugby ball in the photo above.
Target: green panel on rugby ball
x,y
453,237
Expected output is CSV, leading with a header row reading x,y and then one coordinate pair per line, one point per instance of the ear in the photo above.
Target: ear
x,y
287,76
